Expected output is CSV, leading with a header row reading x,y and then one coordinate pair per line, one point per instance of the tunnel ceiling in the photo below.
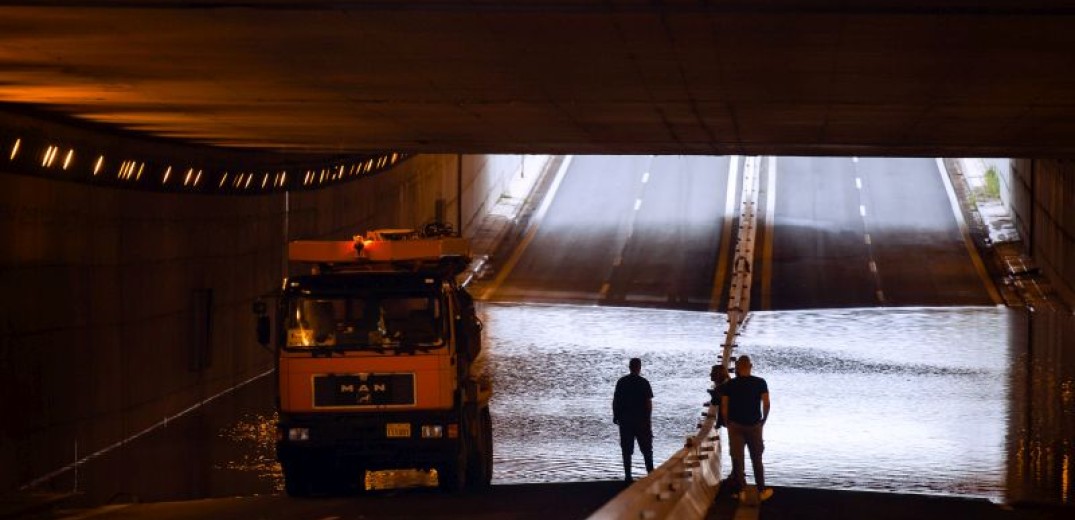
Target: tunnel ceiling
x,y
865,77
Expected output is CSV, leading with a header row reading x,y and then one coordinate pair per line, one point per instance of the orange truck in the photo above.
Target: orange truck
x,y
378,363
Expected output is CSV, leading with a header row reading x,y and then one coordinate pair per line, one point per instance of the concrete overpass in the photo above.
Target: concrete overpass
x,y
160,92
890,77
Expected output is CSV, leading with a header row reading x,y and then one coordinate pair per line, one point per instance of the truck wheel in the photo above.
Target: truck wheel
x,y
348,480
481,461
487,431
361,487
298,480
452,476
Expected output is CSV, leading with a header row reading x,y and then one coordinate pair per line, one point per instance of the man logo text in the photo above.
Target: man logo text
x,y
363,389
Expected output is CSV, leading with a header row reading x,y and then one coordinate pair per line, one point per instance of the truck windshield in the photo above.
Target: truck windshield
x,y
375,321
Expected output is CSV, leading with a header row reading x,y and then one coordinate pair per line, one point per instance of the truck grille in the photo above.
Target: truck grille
x,y
361,390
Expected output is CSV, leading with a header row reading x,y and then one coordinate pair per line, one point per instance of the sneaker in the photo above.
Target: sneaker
x,y
765,494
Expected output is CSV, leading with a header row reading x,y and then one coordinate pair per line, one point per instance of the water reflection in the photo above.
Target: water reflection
x,y
910,401
889,400
257,432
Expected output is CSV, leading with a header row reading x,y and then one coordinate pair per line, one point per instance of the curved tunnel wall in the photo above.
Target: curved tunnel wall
x,y
1043,200
1042,429
122,308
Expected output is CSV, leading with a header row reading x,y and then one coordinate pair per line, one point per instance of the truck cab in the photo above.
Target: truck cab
x,y
379,364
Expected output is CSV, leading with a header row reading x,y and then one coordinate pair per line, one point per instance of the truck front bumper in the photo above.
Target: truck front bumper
x,y
364,439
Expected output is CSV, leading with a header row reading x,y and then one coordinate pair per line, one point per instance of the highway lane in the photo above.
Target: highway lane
x,y
921,257
852,232
625,230
819,257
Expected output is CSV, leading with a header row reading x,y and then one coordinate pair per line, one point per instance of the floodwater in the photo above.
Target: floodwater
x,y
896,400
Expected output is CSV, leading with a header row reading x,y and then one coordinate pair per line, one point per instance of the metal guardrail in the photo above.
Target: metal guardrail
x,y
684,486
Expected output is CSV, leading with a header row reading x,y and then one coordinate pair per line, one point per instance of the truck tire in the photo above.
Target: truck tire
x,y
298,480
361,486
486,448
453,476
481,456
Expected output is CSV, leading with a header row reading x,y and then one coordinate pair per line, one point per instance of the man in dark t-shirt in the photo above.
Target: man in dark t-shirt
x,y
632,406
744,405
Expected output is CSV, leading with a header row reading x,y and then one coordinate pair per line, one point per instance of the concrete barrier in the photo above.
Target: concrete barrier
x,y
684,486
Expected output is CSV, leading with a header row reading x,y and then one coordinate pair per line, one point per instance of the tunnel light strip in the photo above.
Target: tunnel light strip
x,y
124,167
131,170
163,423
50,155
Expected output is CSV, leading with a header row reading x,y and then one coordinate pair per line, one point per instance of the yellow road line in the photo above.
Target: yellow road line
x,y
968,242
767,244
725,235
534,225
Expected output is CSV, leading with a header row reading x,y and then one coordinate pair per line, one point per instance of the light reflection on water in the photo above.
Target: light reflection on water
x,y
899,400
907,400
257,433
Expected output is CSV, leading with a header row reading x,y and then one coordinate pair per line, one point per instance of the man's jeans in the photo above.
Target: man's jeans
x,y
630,431
749,436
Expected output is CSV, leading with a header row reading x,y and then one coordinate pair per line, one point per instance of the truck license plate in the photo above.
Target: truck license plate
x,y
399,430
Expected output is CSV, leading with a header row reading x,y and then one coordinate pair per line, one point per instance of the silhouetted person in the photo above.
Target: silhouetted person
x,y
718,375
744,405
632,406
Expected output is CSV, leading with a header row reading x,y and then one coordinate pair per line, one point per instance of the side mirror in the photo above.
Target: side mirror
x,y
264,324
264,330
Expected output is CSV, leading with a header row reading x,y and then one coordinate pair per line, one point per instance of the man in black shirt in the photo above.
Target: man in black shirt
x,y
632,406
744,405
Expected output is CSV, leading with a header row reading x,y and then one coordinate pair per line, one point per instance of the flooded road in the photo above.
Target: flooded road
x,y
909,400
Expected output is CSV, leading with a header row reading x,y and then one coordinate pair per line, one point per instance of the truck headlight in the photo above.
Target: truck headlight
x,y
298,434
432,431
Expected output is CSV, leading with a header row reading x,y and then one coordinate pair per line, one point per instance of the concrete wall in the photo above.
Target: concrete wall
x,y
1043,204
1004,174
106,291
1042,429
482,192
